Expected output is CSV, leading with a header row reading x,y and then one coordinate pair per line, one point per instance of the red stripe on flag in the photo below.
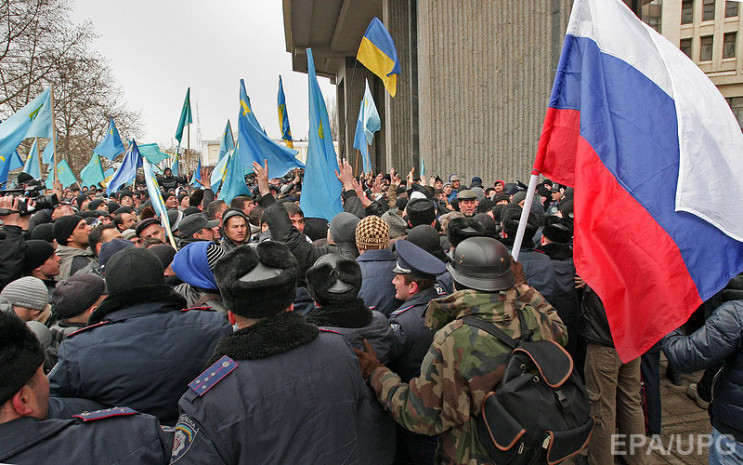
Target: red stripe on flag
x,y
627,258
557,145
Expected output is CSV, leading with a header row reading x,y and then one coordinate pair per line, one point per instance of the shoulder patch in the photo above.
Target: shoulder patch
x,y
401,311
195,308
395,326
106,413
87,328
440,289
212,375
185,433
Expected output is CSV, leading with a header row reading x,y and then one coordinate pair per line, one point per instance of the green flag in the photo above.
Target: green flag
x,y
93,172
185,117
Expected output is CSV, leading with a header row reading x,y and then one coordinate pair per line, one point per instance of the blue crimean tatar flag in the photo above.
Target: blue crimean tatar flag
x,y
367,124
111,145
286,132
128,169
321,192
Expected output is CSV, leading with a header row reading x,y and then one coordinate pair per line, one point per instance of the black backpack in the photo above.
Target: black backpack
x,y
539,414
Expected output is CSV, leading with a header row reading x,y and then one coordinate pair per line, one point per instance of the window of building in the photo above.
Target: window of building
x,y
686,47
729,42
708,10
687,11
736,104
731,9
651,13
705,48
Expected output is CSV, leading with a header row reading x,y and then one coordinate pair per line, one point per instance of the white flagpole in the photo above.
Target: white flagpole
x,y
525,214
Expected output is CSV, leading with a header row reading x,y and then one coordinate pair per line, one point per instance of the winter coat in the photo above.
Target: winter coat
x,y
538,270
565,299
594,326
412,334
68,255
377,290
462,365
12,255
112,438
719,341
141,351
356,322
198,297
285,392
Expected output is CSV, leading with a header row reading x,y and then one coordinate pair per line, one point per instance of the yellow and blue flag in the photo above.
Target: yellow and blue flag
x,y
111,145
156,198
33,120
367,124
92,174
286,132
64,174
234,179
185,117
228,142
128,169
246,110
378,53
253,145
321,190
196,174
220,170
31,167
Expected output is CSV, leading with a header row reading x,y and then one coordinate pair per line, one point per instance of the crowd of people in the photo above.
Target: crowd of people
x,y
245,332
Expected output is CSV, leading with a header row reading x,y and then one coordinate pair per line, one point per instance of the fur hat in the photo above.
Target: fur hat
x,y
21,355
372,232
333,280
397,224
557,230
258,282
420,211
510,218
460,229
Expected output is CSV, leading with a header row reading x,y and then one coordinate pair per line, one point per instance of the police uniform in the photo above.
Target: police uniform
x,y
117,435
414,337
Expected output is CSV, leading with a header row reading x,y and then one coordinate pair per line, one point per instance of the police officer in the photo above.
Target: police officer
x,y
117,435
279,390
415,279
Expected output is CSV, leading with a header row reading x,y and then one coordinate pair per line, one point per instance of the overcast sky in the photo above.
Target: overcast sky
x,y
158,48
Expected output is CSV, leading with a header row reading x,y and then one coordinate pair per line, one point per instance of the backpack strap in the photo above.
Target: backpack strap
x,y
491,329
205,298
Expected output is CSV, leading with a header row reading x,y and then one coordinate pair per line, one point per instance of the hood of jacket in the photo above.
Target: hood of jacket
x,y
163,297
490,306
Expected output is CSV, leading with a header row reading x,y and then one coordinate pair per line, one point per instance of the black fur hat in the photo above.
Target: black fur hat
x,y
20,354
258,282
557,230
463,228
334,280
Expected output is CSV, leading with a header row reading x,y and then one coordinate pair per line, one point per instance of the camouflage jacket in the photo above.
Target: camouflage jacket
x,y
462,365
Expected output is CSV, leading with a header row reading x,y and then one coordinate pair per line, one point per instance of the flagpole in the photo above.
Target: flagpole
x,y
38,156
188,138
525,215
54,133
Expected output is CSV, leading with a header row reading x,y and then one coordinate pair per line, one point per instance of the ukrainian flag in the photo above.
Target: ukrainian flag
x,y
286,132
378,53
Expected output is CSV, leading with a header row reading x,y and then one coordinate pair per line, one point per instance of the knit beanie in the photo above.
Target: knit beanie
x,y
165,252
76,294
44,232
21,355
111,248
426,237
37,252
372,233
132,269
27,292
64,226
343,227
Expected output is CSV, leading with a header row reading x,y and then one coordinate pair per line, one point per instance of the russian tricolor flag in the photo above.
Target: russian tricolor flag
x,y
656,158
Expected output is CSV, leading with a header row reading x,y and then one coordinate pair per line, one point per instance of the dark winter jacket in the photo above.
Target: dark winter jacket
x,y
141,351
565,298
720,340
12,254
356,322
293,394
112,439
594,326
538,270
377,290
198,297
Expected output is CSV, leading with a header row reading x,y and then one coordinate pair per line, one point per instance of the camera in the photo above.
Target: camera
x,y
35,193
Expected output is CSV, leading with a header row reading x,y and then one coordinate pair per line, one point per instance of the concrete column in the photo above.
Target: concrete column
x,y
485,74
401,112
